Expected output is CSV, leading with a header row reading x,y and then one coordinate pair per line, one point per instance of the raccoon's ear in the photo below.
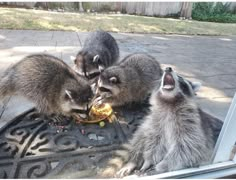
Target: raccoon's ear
x,y
96,59
101,68
113,80
196,86
73,58
68,95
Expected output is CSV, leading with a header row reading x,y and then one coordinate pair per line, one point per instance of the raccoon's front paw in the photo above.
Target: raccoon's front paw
x,y
59,120
161,168
126,170
146,165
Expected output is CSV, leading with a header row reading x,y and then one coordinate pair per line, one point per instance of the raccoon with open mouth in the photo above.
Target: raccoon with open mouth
x,y
131,80
100,51
48,82
173,136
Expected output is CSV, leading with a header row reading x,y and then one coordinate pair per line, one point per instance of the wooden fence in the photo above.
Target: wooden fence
x,y
163,9
145,8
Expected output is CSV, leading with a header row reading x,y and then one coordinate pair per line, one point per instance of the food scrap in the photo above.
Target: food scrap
x,y
100,112
102,124
97,114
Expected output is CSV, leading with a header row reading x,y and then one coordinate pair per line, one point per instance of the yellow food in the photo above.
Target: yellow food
x,y
100,112
96,114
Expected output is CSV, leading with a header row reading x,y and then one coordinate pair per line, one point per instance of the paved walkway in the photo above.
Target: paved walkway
x,y
210,60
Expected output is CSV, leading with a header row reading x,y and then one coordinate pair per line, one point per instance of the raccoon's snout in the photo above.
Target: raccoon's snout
x,y
103,89
168,69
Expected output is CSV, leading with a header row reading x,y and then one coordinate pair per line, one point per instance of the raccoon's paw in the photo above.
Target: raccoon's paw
x,y
161,167
126,170
146,165
60,120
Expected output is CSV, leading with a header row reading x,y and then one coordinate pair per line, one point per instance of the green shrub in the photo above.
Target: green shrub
x,y
209,11
105,8
54,5
86,5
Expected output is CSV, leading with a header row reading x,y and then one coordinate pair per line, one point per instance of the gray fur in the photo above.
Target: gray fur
x,y
174,135
136,76
48,82
98,44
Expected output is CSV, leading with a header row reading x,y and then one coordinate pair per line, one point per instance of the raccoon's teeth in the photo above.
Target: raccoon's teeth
x,y
168,86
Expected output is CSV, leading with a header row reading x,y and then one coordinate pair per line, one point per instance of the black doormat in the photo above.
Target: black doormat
x,y
32,147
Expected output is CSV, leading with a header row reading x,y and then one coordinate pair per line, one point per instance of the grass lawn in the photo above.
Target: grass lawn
x,y
11,18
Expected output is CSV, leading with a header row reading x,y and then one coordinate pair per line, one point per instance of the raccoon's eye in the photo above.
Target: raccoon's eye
x,y
180,78
99,61
185,88
113,80
93,75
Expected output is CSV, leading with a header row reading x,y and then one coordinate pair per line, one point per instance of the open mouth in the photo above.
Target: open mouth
x,y
98,101
102,94
83,113
79,111
169,82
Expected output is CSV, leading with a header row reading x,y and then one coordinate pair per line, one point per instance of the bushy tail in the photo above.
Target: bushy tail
x,y
114,164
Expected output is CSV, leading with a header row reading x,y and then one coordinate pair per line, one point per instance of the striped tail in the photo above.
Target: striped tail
x,y
118,160
6,86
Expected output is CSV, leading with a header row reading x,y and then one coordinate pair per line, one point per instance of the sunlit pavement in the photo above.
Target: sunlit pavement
x,y
208,59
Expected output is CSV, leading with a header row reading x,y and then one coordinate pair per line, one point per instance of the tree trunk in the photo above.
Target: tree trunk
x,y
81,9
186,10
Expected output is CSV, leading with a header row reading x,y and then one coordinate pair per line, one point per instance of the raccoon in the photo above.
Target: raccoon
x,y
48,82
132,80
100,50
173,136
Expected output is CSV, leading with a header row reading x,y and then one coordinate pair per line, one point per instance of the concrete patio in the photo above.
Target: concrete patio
x,y
210,60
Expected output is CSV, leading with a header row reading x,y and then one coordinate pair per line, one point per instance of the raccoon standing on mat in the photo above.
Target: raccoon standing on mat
x,y
173,136
48,82
100,50
132,80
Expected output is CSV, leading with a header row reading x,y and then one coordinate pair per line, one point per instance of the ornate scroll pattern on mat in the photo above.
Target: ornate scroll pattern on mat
x,y
31,147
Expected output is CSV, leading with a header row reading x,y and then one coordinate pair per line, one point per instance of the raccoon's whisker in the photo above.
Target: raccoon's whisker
x,y
98,100
95,97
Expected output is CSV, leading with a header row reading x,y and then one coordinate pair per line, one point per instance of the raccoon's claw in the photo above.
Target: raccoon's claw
x,y
123,172
126,170
98,101
59,121
149,171
161,168
146,166
57,118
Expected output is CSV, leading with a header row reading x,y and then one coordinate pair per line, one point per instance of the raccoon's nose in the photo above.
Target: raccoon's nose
x,y
168,69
